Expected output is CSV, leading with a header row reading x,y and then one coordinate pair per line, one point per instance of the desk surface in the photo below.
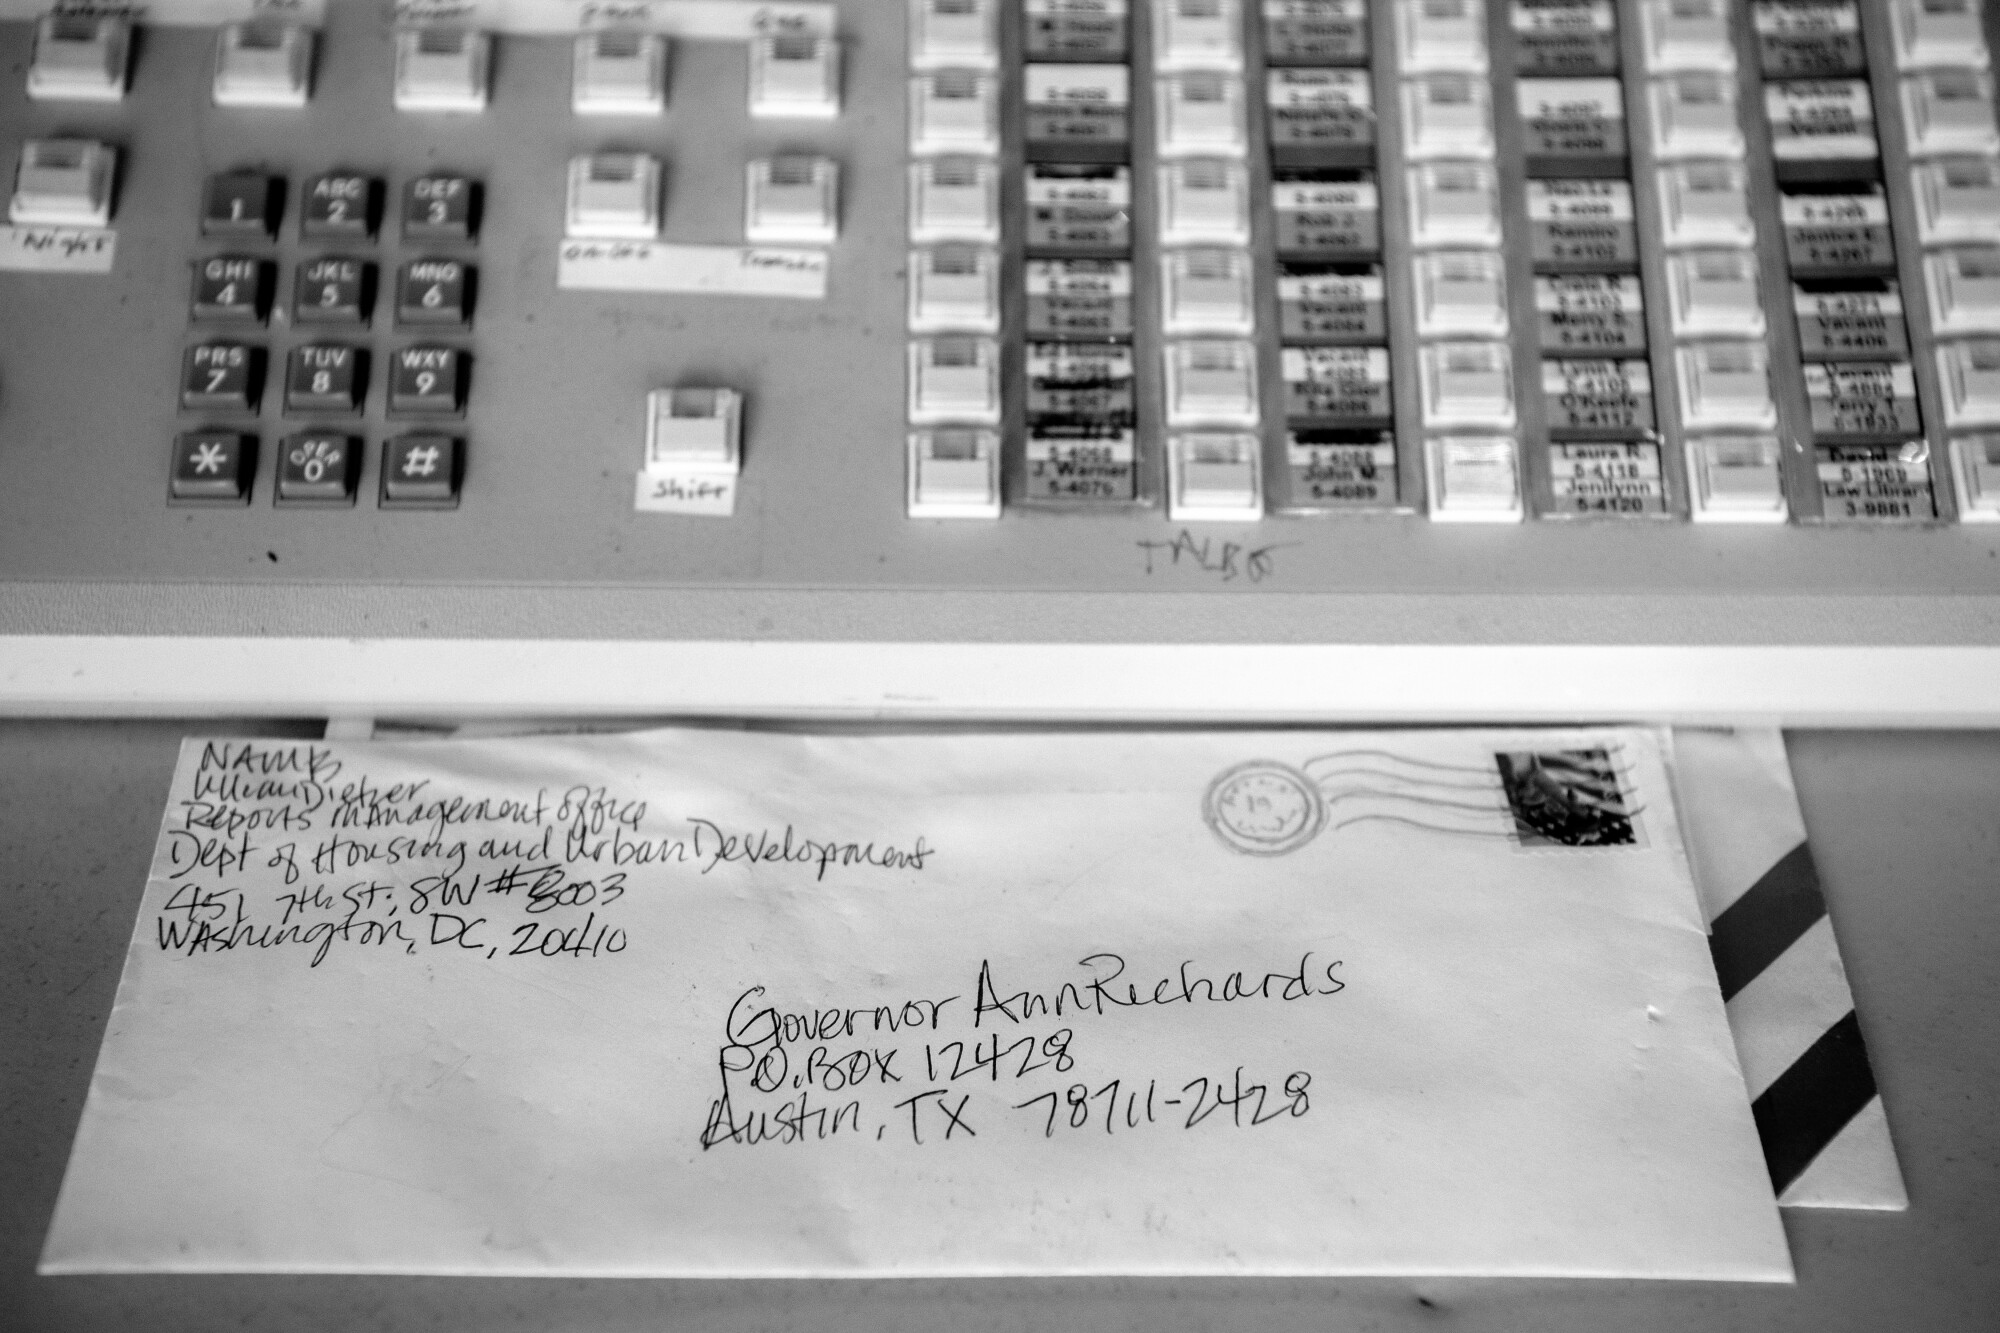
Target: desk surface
x,y
1907,832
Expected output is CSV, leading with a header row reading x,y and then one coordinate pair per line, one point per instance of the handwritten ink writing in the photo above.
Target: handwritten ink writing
x,y
765,846
1227,560
372,856
1099,992
1076,1105
779,1052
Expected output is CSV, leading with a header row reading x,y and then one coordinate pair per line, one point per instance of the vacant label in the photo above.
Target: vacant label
x,y
1862,400
1820,120
1327,303
1079,298
1862,322
1336,385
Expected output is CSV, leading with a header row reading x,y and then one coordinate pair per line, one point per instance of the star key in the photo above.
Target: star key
x,y
212,467
421,471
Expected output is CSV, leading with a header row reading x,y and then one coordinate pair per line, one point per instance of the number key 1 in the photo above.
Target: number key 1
x,y
243,204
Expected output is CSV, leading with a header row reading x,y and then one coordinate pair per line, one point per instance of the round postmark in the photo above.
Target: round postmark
x,y
1264,808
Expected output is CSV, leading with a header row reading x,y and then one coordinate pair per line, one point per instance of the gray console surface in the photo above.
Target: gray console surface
x,y
546,545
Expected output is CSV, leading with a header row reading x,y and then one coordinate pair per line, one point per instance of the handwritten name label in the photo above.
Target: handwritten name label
x,y
175,13
1225,561
696,20
726,270
701,494
57,249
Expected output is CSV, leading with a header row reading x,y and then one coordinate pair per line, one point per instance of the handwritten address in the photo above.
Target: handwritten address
x,y
412,866
300,848
931,1069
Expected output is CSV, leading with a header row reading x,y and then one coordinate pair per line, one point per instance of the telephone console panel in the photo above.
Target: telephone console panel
x,y
1680,317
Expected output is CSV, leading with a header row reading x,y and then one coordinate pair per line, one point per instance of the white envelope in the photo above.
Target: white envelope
x,y
711,1003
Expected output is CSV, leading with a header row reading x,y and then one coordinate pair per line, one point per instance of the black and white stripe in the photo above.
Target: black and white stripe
x,y
1796,1032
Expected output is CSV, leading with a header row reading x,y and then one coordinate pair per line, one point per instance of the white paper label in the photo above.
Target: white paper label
x,y
699,20
725,270
57,249
704,494
175,13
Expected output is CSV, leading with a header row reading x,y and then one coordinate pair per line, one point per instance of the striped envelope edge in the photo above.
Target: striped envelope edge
x,y
1812,1093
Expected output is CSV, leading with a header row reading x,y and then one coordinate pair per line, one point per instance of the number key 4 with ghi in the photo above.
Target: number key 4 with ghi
x,y
232,288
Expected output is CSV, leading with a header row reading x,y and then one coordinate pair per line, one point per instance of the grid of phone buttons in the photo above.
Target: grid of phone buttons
x,y
330,293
